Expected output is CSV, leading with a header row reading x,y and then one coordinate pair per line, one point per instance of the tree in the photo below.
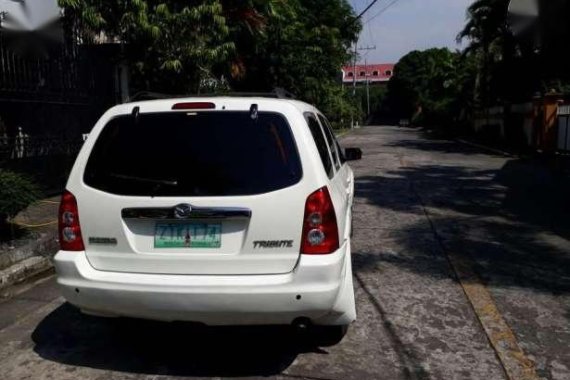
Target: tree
x,y
506,71
17,192
177,46
301,47
431,87
170,45
302,41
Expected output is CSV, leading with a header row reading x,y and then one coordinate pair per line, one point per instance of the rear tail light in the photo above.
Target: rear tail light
x,y
320,230
69,230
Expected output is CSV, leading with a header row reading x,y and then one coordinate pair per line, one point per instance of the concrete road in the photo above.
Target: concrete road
x,y
461,263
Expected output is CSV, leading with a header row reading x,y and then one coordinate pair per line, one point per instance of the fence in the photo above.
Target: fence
x,y
542,125
54,72
24,146
521,124
490,122
46,159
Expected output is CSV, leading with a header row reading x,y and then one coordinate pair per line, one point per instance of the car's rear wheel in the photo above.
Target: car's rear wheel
x,y
329,335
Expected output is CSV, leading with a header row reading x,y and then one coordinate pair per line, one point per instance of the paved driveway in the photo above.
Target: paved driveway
x,y
461,262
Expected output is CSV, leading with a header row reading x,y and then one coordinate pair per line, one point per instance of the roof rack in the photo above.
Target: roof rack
x,y
277,93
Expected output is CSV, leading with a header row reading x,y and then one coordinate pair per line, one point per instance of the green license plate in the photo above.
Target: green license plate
x,y
188,235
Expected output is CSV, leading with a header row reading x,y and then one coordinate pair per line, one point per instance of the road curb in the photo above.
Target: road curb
x,y
44,245
485,148
343,133
513,359
23,270
517,365
21,263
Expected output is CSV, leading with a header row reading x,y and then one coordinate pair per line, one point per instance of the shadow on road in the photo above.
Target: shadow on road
x,y
429,141
513,221
178,349
411,364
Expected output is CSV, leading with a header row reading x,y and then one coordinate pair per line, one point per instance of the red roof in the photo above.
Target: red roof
x,y
373,72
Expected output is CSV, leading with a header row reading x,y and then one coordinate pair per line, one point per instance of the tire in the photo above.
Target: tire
x,y
329,335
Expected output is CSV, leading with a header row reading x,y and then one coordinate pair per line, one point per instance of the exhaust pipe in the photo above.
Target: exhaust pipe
x,y
301,324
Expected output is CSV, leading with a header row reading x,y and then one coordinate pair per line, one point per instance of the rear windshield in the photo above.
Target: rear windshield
x,y
194,154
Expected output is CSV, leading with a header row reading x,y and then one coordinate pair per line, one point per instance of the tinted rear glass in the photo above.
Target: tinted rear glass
x,y
331,141
321,143
194,154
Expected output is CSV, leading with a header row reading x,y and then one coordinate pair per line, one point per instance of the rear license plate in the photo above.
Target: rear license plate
x,y
188,235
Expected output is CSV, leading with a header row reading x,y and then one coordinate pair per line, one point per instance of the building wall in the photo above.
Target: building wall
x,y
374,73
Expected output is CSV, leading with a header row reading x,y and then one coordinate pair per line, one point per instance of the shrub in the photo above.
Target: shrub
x,y
17,192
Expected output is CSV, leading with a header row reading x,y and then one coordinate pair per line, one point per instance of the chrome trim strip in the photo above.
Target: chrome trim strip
x,y
167,213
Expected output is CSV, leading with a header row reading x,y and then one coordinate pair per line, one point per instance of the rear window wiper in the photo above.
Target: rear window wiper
x,y
148,180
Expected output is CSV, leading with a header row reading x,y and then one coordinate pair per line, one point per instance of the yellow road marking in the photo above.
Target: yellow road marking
x,y
516,364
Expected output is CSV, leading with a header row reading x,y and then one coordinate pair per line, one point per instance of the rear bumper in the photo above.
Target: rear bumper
x,y
320,288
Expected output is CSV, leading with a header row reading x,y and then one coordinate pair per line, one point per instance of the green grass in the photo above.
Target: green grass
x,y
341,132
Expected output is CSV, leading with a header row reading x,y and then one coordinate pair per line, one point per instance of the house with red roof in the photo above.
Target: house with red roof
x,y
376,74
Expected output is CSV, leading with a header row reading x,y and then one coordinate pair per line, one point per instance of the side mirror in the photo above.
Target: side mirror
x,y
353,154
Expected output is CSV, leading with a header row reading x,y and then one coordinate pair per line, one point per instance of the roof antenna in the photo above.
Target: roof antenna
x,y
135,114
253,111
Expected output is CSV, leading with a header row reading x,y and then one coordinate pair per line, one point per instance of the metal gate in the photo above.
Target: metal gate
x,y
563,141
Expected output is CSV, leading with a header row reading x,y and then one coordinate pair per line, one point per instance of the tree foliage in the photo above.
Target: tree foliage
x,y
303,46
431,86
177,46
486,27
17,192
168,44
302,49
440,88
504,68
511,69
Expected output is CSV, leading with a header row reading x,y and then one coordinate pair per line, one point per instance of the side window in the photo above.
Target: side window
x,y
340,154
335,151
321,143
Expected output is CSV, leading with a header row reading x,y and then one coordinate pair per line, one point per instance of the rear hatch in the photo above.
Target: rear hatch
x,y
209,192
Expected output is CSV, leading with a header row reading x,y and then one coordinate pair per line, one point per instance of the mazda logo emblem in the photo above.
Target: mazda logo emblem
x,y
182,211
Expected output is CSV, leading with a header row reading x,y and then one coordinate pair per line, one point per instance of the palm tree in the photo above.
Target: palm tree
x,y
505,69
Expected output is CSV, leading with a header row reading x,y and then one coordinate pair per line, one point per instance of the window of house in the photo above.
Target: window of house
x,y
388,73
350,74
375,73
363,73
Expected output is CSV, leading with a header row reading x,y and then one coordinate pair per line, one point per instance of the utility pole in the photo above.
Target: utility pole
x,y
366,77
367,87
354,69
354,82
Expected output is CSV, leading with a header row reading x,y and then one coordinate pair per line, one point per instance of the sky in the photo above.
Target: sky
x,y
409,25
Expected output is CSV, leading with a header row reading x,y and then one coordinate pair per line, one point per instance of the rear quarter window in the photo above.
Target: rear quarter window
x,y
333,145
321,143
194,154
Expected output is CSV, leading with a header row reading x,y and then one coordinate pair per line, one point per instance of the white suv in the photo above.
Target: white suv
x,y
220,210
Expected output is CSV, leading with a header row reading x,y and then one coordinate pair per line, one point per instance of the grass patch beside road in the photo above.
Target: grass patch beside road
x,y
341,132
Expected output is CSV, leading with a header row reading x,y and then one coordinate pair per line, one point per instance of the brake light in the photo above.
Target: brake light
x,y
194,106
320,230
69,230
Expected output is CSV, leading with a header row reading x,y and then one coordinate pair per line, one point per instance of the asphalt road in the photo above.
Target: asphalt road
x,y
459,256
